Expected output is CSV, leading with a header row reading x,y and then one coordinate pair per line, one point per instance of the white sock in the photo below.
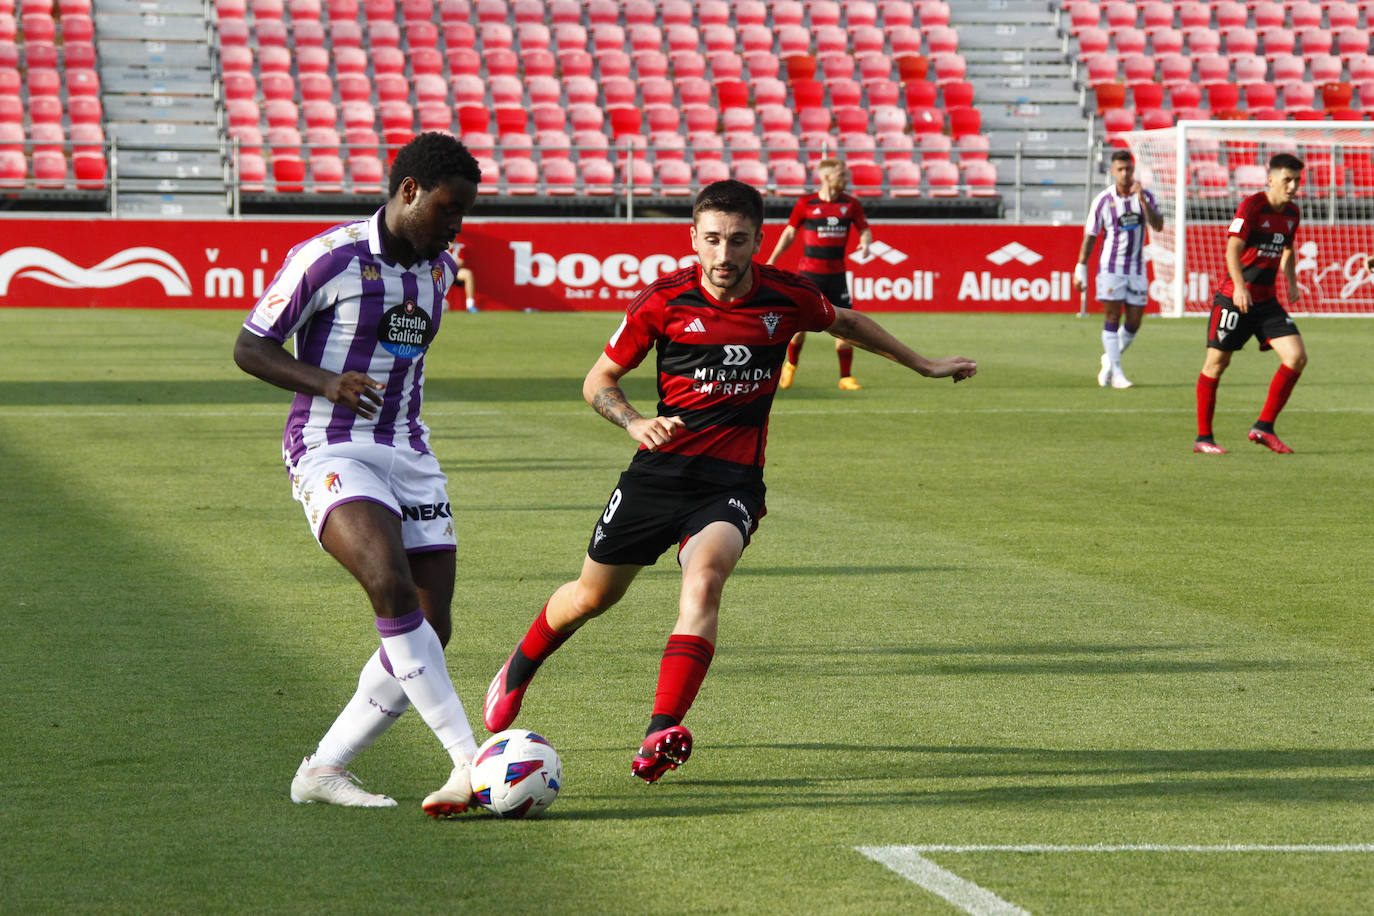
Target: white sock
x,y
1124,338
472,304
375,707
1112,348
417,660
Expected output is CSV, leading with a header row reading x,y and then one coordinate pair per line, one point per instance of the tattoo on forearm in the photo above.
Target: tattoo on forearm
x,y
610,403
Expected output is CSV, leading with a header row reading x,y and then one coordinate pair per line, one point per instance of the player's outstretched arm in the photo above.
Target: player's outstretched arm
x,y
784,242
864,332
265,359
602,390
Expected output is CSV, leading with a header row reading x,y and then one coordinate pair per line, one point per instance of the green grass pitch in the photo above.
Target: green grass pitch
x,y
1017,610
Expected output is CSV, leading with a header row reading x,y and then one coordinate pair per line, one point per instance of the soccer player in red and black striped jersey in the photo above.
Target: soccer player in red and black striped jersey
x,y
721,330
1259,245
824,220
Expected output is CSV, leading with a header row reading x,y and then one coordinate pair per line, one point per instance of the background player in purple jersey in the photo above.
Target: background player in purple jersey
x,y
363,301
824,219
1119,214
720,330
1259,244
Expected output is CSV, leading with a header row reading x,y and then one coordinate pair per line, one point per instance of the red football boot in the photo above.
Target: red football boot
x,y
1269,441
662,751
502,705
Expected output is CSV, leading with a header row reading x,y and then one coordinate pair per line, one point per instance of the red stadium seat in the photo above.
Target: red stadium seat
x,y
326,172
1325,68
896,14
942,179
288,173
957,94
710,170
1213,69
1166,41
362,140
44,81
1175,69
780,145
941,40
1156,119
1250,68
277,86
844,92
14,169
1315,42
882,92
1223,97
926,120
598,176
903,178
1147,96
1278,41
1118,120
1261,95
559,175
1298,95
1240,41
1130,41
974,146
935,147
964,121
980,177
802,67
949,67
1336,96
1203,41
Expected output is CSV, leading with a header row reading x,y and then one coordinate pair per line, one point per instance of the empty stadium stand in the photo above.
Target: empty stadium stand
x,y
941,108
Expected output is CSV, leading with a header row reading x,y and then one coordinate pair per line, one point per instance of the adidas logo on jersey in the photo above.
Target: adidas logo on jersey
x,y
696,327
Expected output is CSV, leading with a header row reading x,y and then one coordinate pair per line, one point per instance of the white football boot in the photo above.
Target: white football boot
x,y
333,786
454,797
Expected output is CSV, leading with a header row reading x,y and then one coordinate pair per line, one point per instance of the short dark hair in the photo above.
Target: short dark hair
x,y
1285,161
1122,155
730,196
432,158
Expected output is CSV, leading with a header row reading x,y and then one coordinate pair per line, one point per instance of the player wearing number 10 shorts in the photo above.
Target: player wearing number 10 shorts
x,y
1259,244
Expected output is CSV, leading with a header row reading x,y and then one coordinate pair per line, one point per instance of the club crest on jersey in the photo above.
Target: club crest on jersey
x,y
405,330
331,483
371,272
770,323
437,273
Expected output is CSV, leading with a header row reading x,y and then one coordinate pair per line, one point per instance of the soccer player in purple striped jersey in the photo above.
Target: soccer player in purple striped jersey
x,y
1119,214
362,302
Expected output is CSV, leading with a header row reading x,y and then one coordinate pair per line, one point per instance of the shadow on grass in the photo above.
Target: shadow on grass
x,y
248,390
1210,774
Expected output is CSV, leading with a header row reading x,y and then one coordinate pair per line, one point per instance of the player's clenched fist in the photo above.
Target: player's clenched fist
x,y
356,391
653,432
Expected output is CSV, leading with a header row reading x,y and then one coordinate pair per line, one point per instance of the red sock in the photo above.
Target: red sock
x,y
846,355
794,352
542,640
1279,389
680,673
1206,403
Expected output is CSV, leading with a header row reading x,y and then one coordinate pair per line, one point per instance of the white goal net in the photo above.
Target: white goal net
x,y
1201,170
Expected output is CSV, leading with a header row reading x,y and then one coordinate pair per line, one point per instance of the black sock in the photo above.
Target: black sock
x,y
521,669
659,722
1264,427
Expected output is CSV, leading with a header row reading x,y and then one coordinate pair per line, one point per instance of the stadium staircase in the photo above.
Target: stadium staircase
x,y
1031,107
159,93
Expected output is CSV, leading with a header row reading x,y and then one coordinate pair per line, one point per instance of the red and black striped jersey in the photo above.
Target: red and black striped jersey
x,y
718,366
824,229
1266,232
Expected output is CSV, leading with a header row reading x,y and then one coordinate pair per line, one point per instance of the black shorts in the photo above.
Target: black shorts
x,y
1229,328
648,513
835,287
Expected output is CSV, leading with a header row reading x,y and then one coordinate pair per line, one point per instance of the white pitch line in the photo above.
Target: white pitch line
x,y
1150,847
967,896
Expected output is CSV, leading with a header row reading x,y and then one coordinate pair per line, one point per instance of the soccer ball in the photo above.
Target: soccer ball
x,y
516,773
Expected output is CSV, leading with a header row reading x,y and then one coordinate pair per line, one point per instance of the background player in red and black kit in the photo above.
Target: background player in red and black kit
x,y
824,219
1259,244
721,331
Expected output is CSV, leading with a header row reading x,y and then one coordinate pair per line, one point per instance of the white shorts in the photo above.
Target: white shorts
x,y
1127,288
408,483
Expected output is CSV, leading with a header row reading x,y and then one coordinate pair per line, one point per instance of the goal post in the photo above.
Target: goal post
x,y
1200,171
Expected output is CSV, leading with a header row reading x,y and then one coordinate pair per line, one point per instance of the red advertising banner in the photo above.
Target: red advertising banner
x,y
538,265
1330,266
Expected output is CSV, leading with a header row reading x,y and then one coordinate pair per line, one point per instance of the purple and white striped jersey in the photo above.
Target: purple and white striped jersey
x,y
1121,224
350,308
